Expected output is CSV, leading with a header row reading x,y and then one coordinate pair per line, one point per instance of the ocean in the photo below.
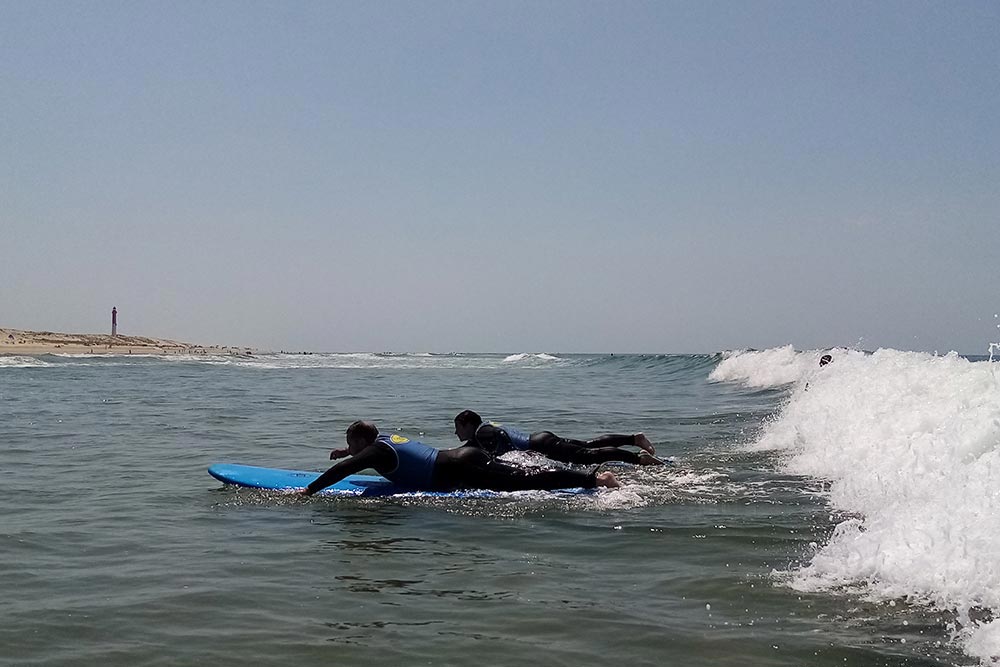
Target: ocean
x,y
843,515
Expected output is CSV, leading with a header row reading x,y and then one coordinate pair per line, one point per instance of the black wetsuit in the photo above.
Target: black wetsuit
x,y
459,468
495,439
472,468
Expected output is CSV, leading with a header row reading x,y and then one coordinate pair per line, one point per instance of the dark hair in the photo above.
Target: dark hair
x,y
468,417
825,359
365,430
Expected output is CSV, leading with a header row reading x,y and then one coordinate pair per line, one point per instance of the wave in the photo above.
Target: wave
x,y
771,368
389,360
909,447
664,365
527,356
22,362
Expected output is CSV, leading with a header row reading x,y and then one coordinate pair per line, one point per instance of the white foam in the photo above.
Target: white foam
x,y
200,358
770,368
527,356
22,362
621,498
348,360
530,460
910,443
984,642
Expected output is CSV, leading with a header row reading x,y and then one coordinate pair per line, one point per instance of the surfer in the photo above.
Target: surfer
x,y
419,467
498,439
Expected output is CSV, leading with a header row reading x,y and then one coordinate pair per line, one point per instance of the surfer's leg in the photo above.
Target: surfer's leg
x,y
576,451
614,440
501,477
453,465
472,468
573,454
550,445
642,442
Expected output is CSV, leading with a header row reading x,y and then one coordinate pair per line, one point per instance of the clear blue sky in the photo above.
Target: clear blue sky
x,y
504,176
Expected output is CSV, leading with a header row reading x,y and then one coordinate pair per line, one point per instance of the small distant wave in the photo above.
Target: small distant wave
x,y
374,360
664,365
22,362
214,359
530,357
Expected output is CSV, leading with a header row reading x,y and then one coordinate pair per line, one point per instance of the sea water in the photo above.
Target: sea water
x,y
848,514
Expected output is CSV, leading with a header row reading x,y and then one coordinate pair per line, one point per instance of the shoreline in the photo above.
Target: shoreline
x,y
18,342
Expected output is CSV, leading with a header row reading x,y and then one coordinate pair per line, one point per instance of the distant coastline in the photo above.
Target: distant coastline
x,y
35,343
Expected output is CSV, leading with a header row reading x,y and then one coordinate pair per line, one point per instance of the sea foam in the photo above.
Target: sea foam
x,y
910,445
22,362
526,356
768,368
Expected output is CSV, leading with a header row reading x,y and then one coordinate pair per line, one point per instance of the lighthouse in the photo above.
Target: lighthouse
x,y
114,320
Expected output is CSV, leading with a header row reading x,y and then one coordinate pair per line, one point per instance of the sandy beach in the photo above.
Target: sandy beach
x,y
34,343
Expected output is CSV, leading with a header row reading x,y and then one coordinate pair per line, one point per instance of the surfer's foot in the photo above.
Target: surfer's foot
x,y
647,459
607,479
642,442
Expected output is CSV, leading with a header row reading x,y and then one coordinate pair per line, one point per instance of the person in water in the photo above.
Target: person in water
x,y
415,466
498,439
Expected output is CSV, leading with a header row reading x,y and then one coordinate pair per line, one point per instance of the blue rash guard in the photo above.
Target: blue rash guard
x,y
511,439
414,462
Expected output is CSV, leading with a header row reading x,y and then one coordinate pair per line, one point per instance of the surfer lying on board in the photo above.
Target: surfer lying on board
x,y
419,467
498,439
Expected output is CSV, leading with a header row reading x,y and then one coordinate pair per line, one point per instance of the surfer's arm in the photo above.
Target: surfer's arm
x,y
371,457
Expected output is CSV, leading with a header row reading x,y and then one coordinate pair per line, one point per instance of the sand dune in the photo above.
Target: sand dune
x,y
33,343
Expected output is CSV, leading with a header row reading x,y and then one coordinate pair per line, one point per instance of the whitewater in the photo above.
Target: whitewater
x,y
908,445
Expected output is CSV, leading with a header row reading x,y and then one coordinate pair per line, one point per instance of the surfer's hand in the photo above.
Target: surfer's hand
x,y
305,492
339,453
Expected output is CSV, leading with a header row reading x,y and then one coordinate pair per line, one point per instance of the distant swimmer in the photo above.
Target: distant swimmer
x,y
419,467
498,439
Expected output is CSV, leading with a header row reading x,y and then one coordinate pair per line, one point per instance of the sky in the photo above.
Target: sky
x,y
504,176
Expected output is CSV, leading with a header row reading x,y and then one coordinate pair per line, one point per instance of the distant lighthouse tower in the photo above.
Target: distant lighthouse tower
x,y
114,320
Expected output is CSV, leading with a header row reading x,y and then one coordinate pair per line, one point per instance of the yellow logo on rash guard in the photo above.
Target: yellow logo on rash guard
x,y
397,439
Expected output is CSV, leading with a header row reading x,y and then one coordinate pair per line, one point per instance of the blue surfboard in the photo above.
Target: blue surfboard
x,y
278,479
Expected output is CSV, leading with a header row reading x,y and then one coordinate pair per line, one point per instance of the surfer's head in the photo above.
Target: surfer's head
x,y
825,359
466,423
360,434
